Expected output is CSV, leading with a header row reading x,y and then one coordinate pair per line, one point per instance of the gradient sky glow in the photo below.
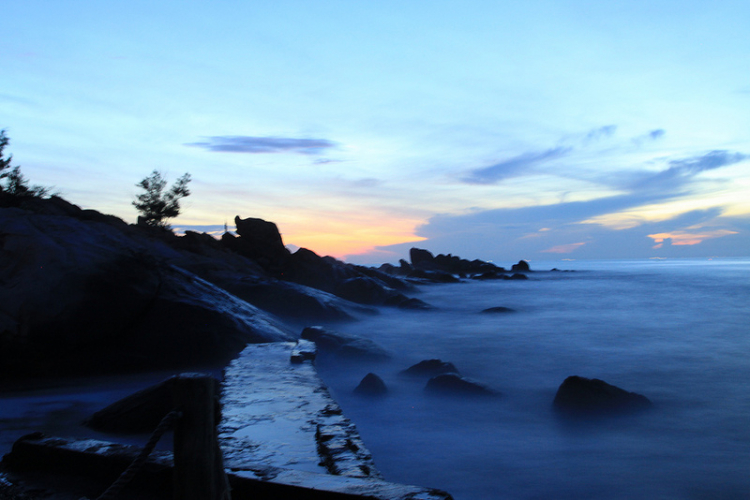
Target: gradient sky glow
x,y
489,129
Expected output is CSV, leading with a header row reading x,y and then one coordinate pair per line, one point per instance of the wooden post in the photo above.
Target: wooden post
x,y
195,440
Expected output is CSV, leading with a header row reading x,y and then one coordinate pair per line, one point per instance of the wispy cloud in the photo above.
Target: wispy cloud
x,y
513,166
680,172
258,145
651,136
600,133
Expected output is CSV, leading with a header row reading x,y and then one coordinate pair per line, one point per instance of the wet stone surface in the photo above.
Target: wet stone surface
x,y
278,413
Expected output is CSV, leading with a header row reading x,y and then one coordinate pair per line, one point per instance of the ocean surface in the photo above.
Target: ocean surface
x,y
677,332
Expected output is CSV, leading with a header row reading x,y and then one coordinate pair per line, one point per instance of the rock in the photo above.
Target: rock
x,y
404,302
260,241
521,266
421,259
371,385
451,383
491,275
363,290
304,350
344,344
291,300
583,396
84,297
498,310
139,412
429,368
354,283
516,276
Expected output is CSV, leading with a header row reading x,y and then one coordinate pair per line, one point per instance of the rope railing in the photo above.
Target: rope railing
x,y
137,464
198,462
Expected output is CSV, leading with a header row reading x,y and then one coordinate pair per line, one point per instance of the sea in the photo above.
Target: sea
x,y
676,331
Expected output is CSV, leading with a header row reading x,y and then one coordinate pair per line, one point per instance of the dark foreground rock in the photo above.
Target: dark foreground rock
x,y
453,384
81,297
371,385
344,344
429,368
579,396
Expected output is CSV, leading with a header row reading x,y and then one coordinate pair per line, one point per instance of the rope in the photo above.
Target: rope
x,y
140,460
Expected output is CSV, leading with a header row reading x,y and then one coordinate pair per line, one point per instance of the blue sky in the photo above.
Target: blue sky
x,y
496,130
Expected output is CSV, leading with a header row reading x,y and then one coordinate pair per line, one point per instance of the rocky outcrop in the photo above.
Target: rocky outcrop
x,y
579,396
371,385
429,368
522,266
86,296
343,344
260,241
454,384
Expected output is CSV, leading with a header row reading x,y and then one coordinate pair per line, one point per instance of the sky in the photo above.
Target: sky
x,y
498,130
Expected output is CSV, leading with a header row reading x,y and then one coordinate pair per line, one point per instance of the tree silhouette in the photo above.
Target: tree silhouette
x,y
4,162
154,204
17,186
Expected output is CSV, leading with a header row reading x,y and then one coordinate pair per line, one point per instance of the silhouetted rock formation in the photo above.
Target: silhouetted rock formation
x,y
84,296
429,368
344,344
521,266
260,241
453,384
371,385
579,396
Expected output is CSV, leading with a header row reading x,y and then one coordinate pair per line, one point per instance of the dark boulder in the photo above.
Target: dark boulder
x,y
453,384
344,344
422,259
429,368
498,310
521,266
490,275
403,302
260,241
516,276
371,385
83,297
363,290
584,396
293,301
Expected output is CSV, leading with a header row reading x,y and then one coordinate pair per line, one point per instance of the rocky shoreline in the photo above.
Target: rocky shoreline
x,y
85,293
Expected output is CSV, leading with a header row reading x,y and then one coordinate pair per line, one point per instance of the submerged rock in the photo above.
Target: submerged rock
x,y
429,368
451,383
584,396
371,385
498,310
344,344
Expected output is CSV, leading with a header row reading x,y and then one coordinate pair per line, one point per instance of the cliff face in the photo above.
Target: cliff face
x,y
82,292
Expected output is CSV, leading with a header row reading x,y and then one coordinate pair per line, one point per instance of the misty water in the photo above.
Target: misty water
x,y
675,331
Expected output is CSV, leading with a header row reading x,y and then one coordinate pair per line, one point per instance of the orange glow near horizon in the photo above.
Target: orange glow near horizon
x,y
679,238
346,238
